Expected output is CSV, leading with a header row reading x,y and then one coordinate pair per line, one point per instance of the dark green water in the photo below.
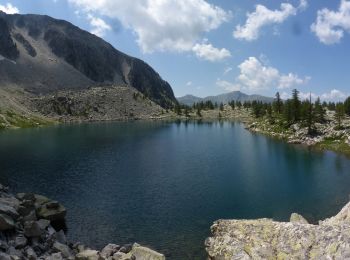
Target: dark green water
x,y
163,184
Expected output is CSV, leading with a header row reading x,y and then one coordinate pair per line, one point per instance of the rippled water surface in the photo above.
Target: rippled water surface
x,y
163,184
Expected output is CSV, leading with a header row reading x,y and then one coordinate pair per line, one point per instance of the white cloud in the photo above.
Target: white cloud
x,y
262,16
255,76
9,9
227,70
289,80
99,26
161,25
208,52
334,95
189,83
227,86
306,96
303,4
331,25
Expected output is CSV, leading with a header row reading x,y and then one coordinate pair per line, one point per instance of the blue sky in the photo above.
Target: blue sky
x,y
209,47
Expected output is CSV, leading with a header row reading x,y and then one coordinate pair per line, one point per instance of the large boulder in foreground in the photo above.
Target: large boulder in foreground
x,y
268,239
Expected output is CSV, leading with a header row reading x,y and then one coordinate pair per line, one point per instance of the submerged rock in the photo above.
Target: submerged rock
x,y
268,239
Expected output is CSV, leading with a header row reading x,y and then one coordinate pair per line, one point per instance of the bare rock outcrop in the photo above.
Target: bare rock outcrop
x,y
268,239
27,231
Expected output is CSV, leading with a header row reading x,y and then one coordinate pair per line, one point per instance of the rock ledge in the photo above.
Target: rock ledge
x,y
268,239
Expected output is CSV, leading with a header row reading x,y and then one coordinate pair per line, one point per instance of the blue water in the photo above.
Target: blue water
x,y
163,184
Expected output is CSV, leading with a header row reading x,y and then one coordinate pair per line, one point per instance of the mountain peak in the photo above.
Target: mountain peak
x,y
223,98
51,55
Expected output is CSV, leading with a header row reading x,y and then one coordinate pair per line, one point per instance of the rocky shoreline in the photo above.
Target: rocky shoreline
x,y
31,228
326,136
268,239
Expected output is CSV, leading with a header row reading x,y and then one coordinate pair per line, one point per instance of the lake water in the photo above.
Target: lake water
x,y
163,184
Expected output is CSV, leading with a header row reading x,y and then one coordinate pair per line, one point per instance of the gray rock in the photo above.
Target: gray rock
x,y
144,253
126,248
25,196
268,239
26,207
8,210
123,256
55,256
296,218
30,253
43,223
3,245
14,252
51,211
10,201
4,256
61,248
40,200
61,237
30,217
109,250
33,229
6,222
20,242
88,255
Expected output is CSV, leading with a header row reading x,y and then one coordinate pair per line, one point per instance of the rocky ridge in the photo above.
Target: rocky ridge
x,y
30,229
42,55
268,239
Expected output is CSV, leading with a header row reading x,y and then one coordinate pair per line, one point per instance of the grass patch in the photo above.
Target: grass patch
x,y
10,119
336,145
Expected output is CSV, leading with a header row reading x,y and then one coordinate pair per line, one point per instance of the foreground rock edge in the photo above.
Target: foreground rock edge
x,y
27,231
268,239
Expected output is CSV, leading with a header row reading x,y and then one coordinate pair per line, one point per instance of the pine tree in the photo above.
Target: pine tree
x,y
232,104
278,104
347,106
320,113
199,112
295,106
339,113
221,107
288,112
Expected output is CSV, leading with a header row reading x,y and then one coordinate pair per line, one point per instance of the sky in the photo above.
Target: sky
x,y
210,47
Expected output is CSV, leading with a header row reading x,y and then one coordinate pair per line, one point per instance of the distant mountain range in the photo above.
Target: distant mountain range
x,y
224,98
42,55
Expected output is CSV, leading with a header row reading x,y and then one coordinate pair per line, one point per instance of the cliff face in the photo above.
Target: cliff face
x,y
45,55
268,239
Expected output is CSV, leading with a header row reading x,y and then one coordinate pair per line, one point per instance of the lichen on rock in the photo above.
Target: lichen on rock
x,y
268,239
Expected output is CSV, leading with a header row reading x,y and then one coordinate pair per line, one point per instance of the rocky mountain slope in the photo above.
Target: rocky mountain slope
x,y
224,98
268,239
43,55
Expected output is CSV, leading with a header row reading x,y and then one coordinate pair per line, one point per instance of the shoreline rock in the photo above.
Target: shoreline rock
x,y
27,231
268,239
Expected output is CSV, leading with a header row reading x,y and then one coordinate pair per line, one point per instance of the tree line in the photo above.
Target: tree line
x,y
285,112
294,110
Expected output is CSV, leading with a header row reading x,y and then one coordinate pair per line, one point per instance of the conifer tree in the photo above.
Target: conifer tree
x,y
278,104
347,106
